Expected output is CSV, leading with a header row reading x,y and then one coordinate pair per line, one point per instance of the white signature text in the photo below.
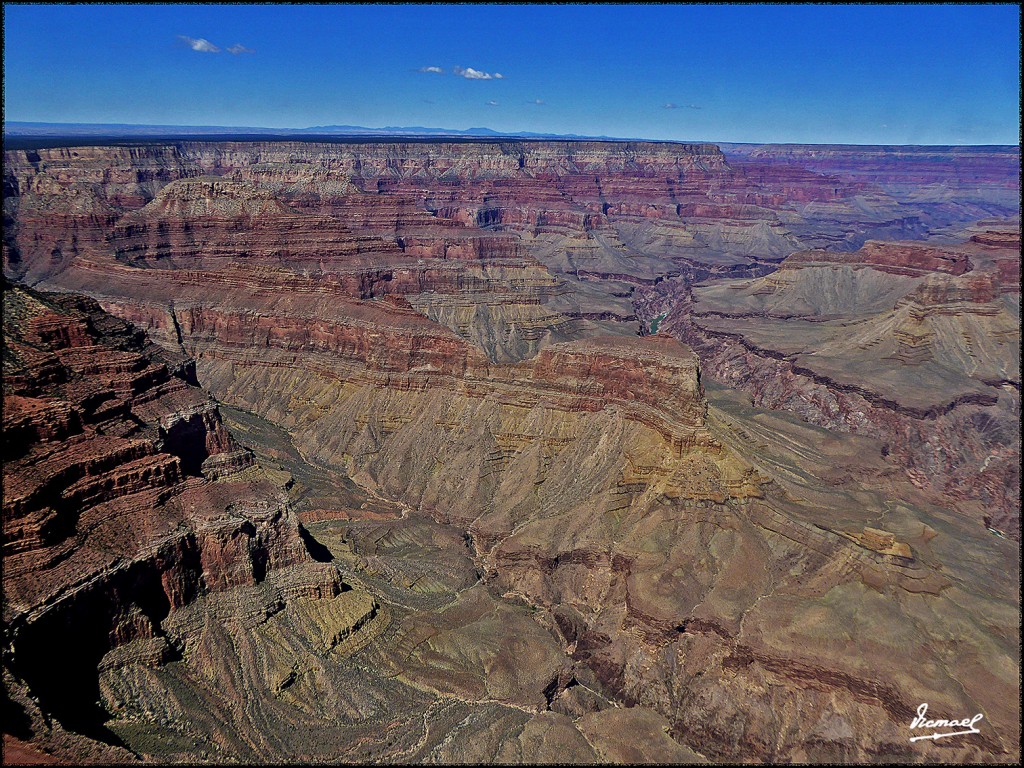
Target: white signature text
x,y
921,721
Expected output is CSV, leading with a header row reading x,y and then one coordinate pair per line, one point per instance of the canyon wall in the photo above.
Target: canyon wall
x,y
434,348
125,500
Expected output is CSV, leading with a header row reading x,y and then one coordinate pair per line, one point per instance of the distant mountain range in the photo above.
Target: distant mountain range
x,y
417,130
41,130
22,134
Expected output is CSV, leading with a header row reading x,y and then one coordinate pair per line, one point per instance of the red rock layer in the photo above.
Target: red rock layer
x,y
895,258
992,255
656,372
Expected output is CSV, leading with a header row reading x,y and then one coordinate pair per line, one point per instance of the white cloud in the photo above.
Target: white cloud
x,y
475,74
670,105
238,48
492,103
199,44
536,101
435,70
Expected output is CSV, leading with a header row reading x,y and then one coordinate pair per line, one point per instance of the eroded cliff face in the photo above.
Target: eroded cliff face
x,y
125,500
560,537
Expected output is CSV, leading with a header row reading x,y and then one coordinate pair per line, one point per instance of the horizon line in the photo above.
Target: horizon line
x,y
417,132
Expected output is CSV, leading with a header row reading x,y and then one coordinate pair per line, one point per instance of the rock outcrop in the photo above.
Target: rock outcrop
x,y
125,500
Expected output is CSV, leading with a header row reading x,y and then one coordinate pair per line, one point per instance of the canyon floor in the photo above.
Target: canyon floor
x,y
510,452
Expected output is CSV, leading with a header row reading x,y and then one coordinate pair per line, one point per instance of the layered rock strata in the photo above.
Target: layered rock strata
x,y
125,500
446,331
914,344
629,211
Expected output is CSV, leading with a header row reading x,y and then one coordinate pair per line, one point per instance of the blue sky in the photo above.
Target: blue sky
x,y
907,74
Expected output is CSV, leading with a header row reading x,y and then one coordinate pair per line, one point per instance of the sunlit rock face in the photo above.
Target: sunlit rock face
x,y
421,452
